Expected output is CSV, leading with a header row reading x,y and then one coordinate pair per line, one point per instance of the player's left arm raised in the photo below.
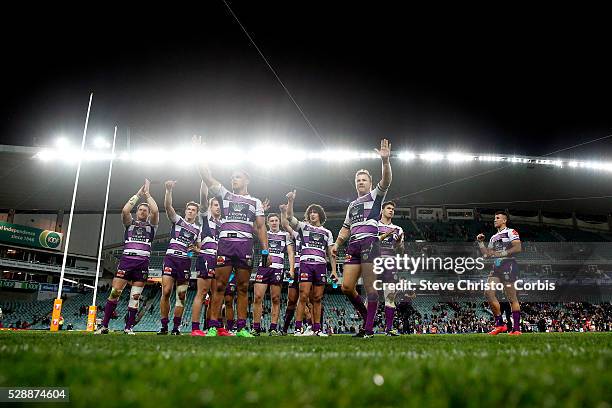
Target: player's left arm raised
x,y
152,204
385,154
170,212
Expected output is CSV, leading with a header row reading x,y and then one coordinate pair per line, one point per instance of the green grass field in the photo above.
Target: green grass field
x,y
540,370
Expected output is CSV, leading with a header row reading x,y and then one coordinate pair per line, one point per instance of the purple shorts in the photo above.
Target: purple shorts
x,y
133,269
506,271
296,279
205,265
269,276
177,268
238,253
230,289
388,275
363,251
313,272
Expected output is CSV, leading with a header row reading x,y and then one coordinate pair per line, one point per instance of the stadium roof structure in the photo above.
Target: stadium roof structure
x,y
32,184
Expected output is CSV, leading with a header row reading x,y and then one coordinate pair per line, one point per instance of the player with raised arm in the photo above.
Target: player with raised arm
x,y
210,221
317,244
134,263
242,215
361,225
502,247
279,244
293,288
391,243
184,240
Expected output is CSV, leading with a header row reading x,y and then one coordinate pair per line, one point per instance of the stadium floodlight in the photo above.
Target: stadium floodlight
x,y
62,142
573,163
406,156
431,156
459,157
101,143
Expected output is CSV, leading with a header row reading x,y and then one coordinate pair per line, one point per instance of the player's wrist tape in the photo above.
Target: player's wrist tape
x,y
264,252
481,244
133,200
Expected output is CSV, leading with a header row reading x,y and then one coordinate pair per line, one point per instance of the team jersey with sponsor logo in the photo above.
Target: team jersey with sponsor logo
x,y
387,245
239,214
138,238
298,249
315,241
503,240
363,214
182,236
209,235
277,248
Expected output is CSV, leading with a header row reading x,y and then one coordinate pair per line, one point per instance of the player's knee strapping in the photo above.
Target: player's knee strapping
x,y
181,293
389,297
135,296
115,294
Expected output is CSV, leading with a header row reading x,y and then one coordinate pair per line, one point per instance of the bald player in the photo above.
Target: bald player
x,y
242,215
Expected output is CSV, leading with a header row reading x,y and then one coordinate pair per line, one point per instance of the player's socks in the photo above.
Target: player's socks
x,y
230,325
389,313
177,323
372,307
195,326
498,321
516,321
289,313
316,327
219,323
109,308
298,325
164,323
321,320
257,327
309,322
357,302
241,324
132,311
273,326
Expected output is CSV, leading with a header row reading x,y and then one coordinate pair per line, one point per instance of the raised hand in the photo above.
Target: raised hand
x,y
170,184
385,149
146,187
266,204
283,208
291,195
141,191
480,237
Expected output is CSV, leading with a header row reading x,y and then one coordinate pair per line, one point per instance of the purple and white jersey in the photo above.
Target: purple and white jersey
x,y
363,214
298,249
277,248
315,241
209,236
387,245
239,214
182,236
138,238
503,240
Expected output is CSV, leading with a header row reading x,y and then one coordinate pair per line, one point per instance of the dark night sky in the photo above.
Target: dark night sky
x,y
518,81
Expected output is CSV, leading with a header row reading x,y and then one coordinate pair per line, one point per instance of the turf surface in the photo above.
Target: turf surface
x,y
542,370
